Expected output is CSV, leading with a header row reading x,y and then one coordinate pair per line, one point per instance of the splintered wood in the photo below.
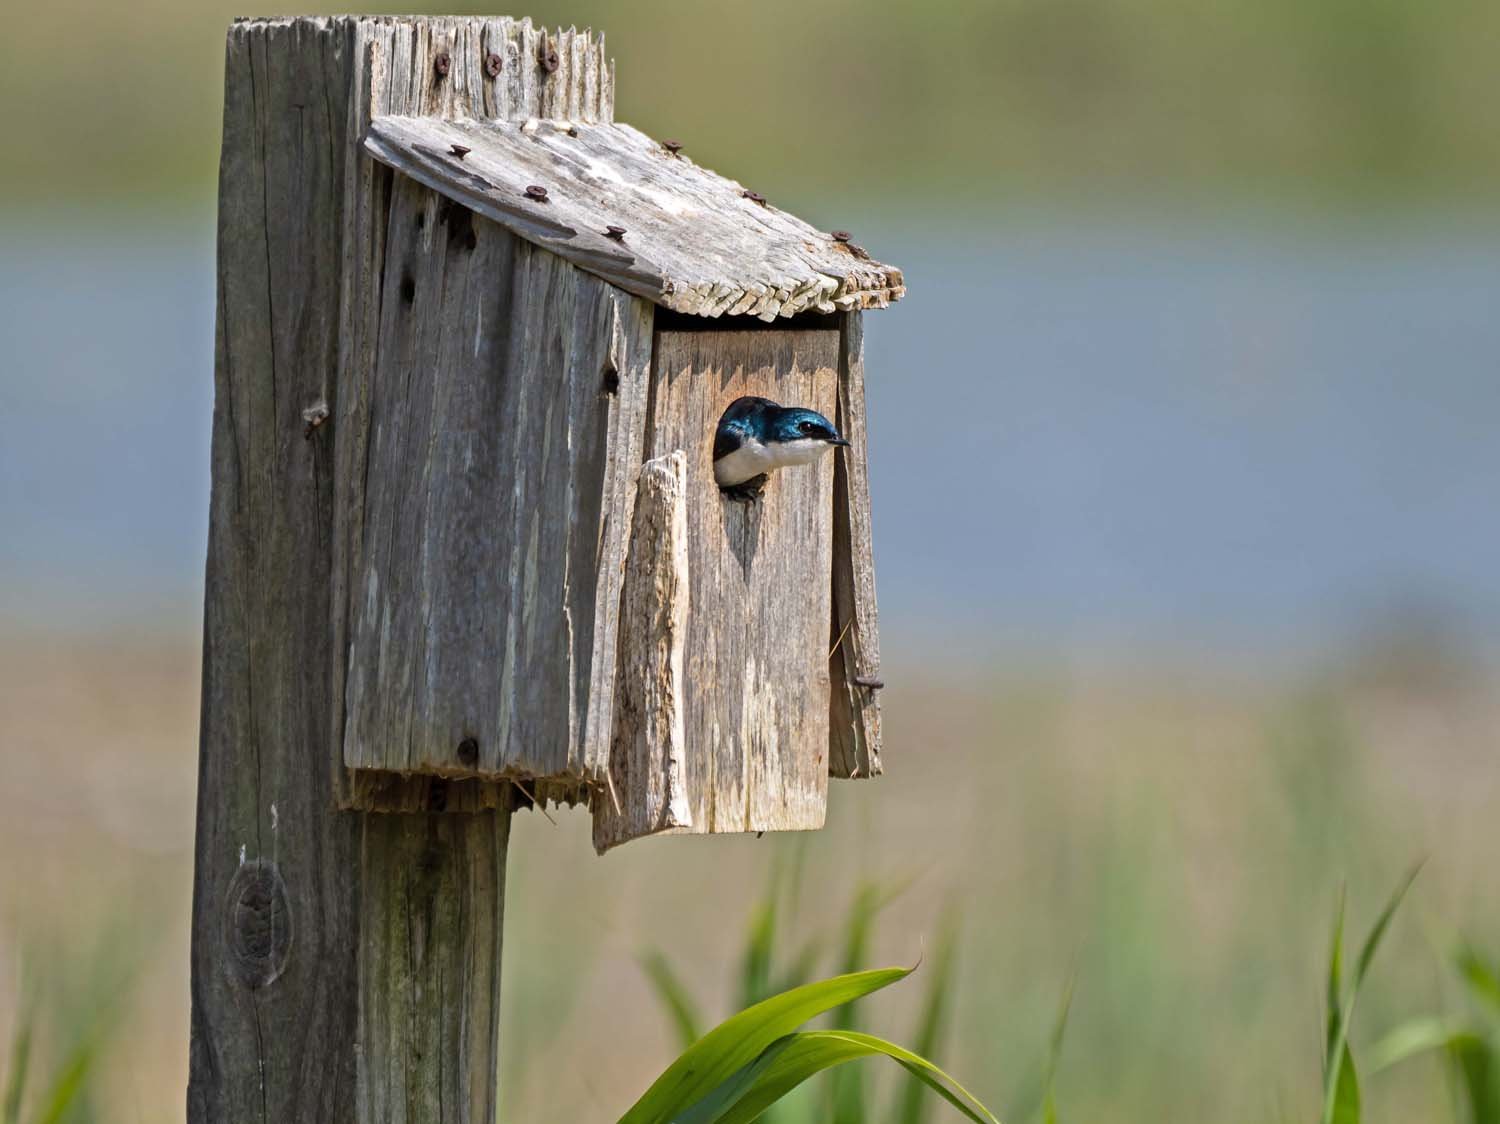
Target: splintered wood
x,y
756,652
647,760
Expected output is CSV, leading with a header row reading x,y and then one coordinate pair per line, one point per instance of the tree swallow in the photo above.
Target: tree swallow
x,y
756,436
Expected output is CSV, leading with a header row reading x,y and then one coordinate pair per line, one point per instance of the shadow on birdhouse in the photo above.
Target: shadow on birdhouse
x,y
548,597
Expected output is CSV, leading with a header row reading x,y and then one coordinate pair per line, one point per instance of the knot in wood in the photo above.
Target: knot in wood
x,y
257,924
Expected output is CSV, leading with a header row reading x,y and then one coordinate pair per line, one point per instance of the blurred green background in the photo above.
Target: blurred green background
x,y
1184,464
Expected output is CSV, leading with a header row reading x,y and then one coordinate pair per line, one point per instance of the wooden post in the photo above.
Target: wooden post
x,y
345,966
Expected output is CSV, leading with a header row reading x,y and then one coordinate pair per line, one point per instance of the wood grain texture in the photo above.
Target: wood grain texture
x,y
693,241
395,72
429,980
756,656
281,895
854,666
506,412
647,762
264,799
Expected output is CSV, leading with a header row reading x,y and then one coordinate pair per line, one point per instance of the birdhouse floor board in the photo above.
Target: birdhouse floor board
x,y
755,656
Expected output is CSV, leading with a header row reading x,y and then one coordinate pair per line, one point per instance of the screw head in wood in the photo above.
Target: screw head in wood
x,y
841,236
539,194
493,64
754,197
459,150
615,232
547,56
442,63
672,146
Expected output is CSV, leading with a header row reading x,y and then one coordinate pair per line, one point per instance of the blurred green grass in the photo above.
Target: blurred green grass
x,y
919,107
1173,839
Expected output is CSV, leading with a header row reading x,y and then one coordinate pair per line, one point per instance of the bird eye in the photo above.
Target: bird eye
x,y
806,426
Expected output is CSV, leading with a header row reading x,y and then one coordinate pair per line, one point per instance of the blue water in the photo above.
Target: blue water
x,y
1090,433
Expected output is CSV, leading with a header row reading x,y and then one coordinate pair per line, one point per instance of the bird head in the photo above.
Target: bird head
x,y
795,425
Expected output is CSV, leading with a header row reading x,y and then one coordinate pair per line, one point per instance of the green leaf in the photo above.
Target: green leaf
x,y
1416,1036
1340,1082
914,1104
1479,1069
741,1038
674,997
1483,980
69,1082
797,1057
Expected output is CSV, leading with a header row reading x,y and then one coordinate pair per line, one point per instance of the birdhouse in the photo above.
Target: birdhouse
x,y
543,593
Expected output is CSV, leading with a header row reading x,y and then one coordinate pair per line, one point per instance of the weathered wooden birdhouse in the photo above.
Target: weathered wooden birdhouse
x,y
541,590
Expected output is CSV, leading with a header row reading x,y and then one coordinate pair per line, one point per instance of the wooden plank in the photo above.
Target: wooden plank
x,y
506,416
647,762
432,913
756,655
282,891
270,857
694,241
854,666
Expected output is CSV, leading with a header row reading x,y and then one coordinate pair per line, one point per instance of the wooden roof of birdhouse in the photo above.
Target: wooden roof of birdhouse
x,y
637,213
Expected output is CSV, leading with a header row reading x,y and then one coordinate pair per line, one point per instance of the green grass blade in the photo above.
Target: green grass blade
x,y
15,1076
1411,1038
674,996
1334,1000
1054,1054
739,1040
1482,977
1341,1084
69,1082
914,1105
797,1057
1478,1068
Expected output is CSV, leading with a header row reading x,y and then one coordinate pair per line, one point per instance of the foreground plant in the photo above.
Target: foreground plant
x,y
738,1070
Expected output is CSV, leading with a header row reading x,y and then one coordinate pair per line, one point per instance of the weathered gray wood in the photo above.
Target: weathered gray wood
x,y
759,576
694,242
282,891
506,412
645,786
854,666
430,968
275,932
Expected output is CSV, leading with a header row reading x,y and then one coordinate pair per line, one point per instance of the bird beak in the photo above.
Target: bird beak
x,y
838,441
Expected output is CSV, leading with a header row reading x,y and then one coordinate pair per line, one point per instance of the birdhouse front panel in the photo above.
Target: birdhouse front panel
x,y
756,704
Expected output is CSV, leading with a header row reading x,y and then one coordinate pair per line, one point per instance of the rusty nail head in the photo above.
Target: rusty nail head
x,y
537,193
572,130
841,236
672,146
548,56
442,63
459,150
869,682
615,232
493,64
468,751
754,197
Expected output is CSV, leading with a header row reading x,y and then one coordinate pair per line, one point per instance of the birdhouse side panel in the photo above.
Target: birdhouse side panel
x,y
755,659
854,665
504,419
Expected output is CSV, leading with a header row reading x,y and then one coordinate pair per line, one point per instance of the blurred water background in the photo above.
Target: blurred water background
x,y
1184,458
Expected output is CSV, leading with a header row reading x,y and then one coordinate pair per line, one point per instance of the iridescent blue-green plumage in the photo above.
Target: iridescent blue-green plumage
x,y
755,436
